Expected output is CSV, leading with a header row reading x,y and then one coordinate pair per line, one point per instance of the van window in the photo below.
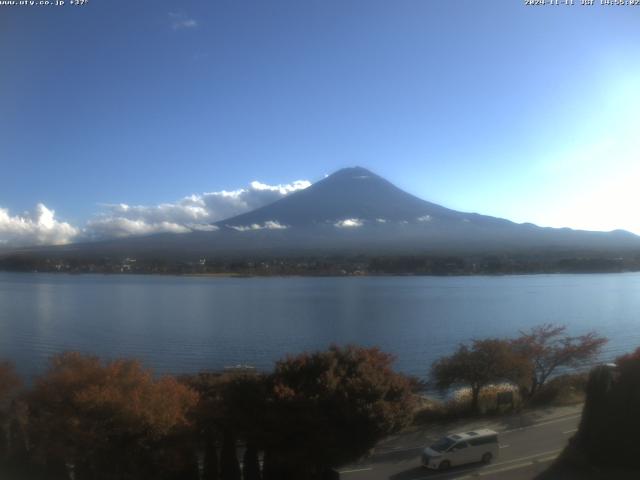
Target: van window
x,y
484,440
459,446
442,444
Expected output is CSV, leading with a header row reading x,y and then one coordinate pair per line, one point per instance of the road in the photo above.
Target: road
x,y
524,452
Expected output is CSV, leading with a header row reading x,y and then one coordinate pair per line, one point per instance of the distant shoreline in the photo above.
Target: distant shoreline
x,y
301,275
352,264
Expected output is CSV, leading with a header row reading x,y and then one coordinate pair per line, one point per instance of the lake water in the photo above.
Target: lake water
x,y
186,324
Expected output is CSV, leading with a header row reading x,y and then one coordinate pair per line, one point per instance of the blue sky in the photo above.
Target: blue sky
x,y
528,113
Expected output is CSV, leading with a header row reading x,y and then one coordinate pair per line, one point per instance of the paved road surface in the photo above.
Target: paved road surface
x,y
524,452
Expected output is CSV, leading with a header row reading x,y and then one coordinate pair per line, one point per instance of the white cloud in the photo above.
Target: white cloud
x,y
424,218
181,20
349,223
118,227
202,227
271,225
268,225
245,228
282,189
184,211
225,204
36,228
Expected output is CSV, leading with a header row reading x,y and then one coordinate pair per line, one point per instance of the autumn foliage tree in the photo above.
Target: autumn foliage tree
x,y
104,417
206,417
9,383
243,412
9,380
231,410
548,349
331,407
477,365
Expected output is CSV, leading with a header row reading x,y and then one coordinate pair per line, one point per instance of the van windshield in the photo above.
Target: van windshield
x,y
442,444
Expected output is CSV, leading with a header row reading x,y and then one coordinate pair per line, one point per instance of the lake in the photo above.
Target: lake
x,y
186,324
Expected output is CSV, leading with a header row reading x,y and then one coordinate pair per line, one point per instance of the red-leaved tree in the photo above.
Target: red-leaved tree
x,y
9,384
104,417
549,349
330,407
478,365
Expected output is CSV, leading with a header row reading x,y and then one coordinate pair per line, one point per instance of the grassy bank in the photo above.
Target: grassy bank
x,y
563,390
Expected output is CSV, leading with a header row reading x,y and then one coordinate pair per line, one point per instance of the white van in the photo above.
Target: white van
x,y
460,448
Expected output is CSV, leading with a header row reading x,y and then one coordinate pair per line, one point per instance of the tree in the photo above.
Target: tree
x,y
232,407
205,418
251,463
611,418
9,380
630,363
9,384
476,366
548,349
331,407
103,416
242,407
13,445
229,466
210,467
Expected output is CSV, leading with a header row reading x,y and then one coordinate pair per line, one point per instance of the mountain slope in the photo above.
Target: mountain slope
x,y
350,193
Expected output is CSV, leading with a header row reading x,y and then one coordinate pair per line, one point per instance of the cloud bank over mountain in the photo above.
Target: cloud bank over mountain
x,y
192,213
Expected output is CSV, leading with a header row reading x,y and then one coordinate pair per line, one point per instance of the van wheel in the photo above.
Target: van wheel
x,y
444,465
487,457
